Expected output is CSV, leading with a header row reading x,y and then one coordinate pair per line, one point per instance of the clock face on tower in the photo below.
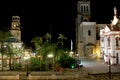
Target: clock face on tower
x,y
14,25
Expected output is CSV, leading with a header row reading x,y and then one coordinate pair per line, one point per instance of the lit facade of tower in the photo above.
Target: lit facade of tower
x,y
15,27
85,30
83,10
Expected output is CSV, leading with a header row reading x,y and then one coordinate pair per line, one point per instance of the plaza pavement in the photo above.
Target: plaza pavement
x,y
97,70
90,67
94,66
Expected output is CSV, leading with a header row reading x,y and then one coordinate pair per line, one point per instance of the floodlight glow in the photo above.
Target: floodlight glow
x,y
50,55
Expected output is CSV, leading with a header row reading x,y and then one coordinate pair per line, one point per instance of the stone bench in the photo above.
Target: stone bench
x,y
9,77
61,77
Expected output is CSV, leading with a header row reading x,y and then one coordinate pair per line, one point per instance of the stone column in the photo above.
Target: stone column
x,y
113,48
106,56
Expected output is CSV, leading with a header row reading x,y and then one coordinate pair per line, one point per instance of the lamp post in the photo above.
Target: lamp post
x,y
109,70
26,62
51,56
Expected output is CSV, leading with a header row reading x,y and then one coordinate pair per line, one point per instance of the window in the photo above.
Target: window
x,y
84,8
81,8
87,8
89,33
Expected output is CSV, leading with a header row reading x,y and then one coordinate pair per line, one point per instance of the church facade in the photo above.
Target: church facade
x,y
110,40
107,46
86,30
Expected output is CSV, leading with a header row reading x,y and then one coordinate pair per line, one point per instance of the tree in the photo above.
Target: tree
x,y
48,36
44,47
61,48
38,43
66,61
11,51
61,37
39,48
34,64
3,36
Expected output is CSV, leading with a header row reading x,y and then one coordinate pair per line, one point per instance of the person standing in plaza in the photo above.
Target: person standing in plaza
x,y
78,64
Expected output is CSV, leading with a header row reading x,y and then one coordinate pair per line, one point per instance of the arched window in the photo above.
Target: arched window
x,y
87,8
84,8
81,8
89,33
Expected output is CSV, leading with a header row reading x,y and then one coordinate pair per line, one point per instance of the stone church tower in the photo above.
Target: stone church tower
x,y
85,30
15,27
83,10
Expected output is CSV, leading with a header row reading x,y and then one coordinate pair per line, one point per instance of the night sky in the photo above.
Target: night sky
x,y
58,16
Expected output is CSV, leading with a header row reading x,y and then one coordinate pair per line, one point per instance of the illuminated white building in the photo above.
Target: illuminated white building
x,y
110,40
15,41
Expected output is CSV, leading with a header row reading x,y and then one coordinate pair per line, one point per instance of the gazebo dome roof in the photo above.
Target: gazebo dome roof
x,y
12,39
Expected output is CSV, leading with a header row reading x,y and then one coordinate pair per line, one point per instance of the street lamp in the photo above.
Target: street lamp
x,y
51,56
109,70
26,62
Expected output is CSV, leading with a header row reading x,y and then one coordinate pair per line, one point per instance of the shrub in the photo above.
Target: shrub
x,y
66,61
16,66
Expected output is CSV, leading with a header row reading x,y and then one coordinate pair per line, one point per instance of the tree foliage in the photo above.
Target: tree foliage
x,y
44,47
66,61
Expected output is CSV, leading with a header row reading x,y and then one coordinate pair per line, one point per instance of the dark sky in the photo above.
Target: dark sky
x,y
58,16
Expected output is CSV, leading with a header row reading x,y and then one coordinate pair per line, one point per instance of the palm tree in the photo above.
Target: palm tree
x,y
11,51
38,43
61,37
3,36
43,48
48,36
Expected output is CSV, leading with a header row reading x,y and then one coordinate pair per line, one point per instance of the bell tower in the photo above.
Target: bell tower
x,y
15,27
83,9
83,15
